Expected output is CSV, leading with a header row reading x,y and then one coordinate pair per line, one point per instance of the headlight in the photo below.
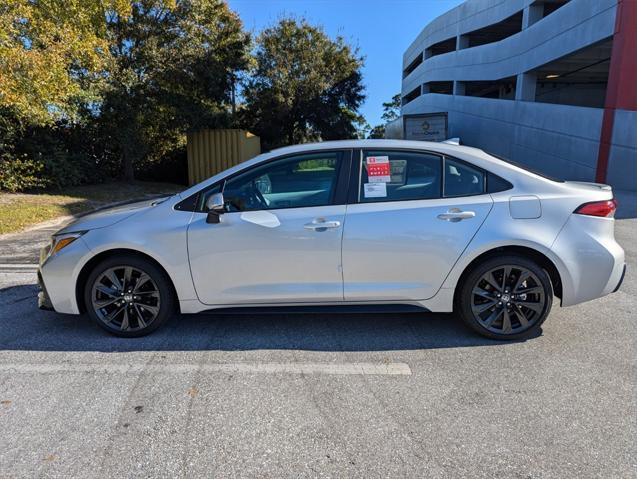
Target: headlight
x,y
59,242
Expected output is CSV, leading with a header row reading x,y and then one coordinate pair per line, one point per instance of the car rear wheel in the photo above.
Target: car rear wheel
x,y
507,297
129,296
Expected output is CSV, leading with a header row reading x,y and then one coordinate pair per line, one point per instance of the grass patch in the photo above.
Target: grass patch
x,y
20,210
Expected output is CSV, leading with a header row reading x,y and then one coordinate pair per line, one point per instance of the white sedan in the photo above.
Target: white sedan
x,y
360,224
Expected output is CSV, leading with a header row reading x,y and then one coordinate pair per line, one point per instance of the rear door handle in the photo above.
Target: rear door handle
x,y
454,215
319,224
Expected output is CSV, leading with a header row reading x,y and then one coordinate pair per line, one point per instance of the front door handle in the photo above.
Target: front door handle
x,y
455,214
319,224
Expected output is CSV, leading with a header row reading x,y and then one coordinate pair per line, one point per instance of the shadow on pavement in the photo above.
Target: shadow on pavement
x,y
24,327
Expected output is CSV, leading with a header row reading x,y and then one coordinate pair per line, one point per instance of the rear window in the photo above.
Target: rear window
x,y
527,168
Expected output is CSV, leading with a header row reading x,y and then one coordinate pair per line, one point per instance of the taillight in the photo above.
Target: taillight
x,y
604,209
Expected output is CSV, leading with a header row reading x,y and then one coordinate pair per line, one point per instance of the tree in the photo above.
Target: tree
x,y
377,132
173,68
391,111
304,86
46,46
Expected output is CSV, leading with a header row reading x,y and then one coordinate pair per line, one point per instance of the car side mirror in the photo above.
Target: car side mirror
x,y
216,206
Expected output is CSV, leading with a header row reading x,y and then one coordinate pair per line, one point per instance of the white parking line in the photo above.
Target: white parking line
x,y
359,369
18,266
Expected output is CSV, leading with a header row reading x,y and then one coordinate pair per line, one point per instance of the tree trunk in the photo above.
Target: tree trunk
x,y
290,134
127,163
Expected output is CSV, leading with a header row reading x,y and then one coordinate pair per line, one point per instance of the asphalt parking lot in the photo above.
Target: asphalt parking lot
x,y
316,395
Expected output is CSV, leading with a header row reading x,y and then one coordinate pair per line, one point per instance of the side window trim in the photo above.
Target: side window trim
x,y
341,190
348,185
355,177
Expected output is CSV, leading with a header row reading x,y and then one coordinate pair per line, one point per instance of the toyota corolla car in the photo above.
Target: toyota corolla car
x,y
369,224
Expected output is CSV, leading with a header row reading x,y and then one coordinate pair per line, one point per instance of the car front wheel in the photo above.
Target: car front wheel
x,y
129,296
507,297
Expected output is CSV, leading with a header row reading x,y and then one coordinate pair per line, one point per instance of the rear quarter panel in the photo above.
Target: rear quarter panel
x,y
557,201
593,258
500,230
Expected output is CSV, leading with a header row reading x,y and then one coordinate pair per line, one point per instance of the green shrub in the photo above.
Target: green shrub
x,y
62,170
22,173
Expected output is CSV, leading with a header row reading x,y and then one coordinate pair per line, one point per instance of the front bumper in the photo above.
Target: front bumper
x,y
57,277
44,302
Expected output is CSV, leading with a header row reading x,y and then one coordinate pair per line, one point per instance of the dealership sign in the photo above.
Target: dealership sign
x,y
422,127
425,127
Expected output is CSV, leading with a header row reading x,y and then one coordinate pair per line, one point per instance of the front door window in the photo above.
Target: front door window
x,y
294,182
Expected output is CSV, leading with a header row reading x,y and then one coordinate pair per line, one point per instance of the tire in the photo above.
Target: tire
x,y
528,292
148,305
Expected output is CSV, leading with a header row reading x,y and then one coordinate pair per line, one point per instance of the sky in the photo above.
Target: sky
x,y
382,29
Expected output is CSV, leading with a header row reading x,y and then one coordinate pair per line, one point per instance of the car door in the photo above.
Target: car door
x,y
280,237
410,218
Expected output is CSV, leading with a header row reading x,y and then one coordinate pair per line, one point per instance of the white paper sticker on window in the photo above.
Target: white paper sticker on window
x,y
378,169
375,190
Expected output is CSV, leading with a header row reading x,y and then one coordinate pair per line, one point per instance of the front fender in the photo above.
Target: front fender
x,y
161,235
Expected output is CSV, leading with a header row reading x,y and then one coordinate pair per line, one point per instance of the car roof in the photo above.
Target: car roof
x,y
445,148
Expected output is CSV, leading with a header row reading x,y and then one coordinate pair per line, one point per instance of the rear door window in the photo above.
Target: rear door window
x,y
399,176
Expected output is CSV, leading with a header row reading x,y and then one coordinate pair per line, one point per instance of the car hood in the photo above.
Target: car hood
x,y
110,216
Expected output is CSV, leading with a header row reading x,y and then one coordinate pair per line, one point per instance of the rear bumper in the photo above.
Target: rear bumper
x,y
621,280
593,263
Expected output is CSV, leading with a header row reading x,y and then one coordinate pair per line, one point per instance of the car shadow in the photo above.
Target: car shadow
x,y
24,327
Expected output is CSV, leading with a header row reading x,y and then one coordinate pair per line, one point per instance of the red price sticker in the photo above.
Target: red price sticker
x,y
378,169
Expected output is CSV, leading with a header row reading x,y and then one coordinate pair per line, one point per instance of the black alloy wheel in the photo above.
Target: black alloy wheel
x,y
506,298
129,296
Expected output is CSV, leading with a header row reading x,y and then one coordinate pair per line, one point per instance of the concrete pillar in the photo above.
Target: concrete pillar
x,y
425,88
427,53
622,77
462,42
458,88
531,14
525,87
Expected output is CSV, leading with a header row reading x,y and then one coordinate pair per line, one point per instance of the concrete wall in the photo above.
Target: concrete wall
x,y
561,140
